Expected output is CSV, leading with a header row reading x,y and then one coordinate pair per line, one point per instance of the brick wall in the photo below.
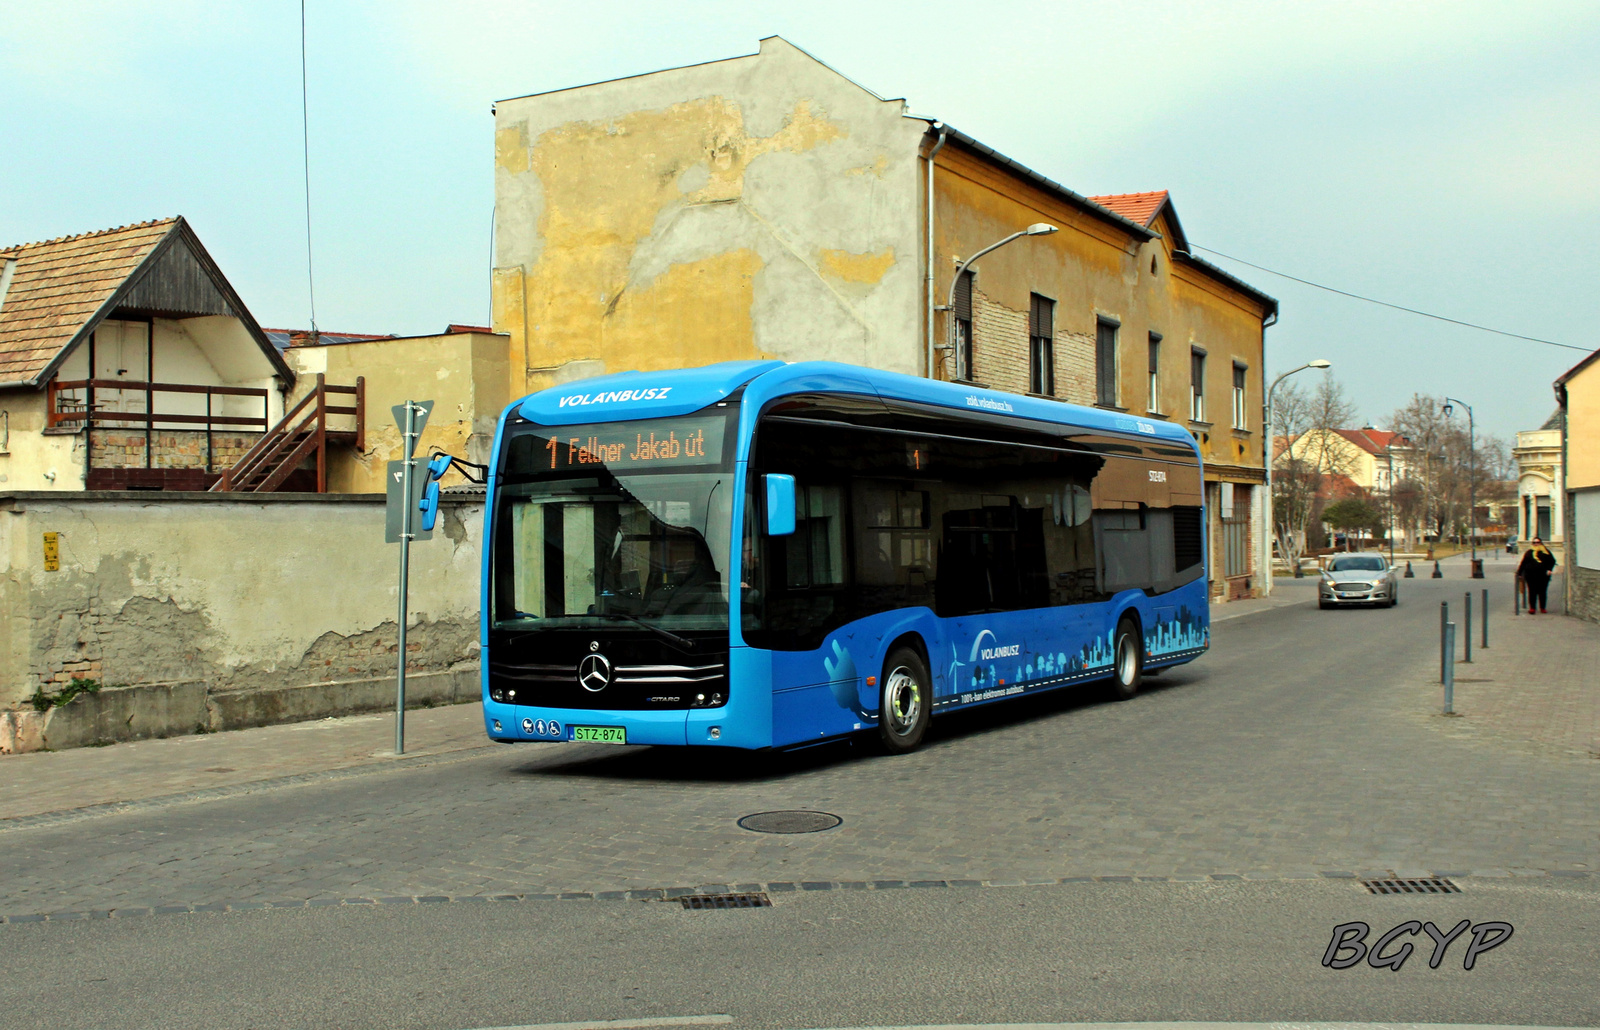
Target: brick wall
x,y
170,448
1000,345
1075,367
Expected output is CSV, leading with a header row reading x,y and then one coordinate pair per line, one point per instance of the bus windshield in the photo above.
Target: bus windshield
x,y
590,541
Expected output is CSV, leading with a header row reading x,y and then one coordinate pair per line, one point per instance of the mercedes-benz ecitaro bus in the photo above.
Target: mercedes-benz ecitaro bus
x,y
770,555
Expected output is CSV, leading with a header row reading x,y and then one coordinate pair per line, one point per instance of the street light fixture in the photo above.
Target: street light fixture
x,y
1036,229
1472,482
1267,456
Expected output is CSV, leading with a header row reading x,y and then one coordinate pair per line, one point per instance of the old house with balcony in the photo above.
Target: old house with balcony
x,y
128,362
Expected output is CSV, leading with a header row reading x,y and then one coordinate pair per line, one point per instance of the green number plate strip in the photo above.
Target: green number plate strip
x,y
600,734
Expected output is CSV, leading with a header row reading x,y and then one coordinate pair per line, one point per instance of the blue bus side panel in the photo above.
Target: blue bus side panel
x,y
975,658
746,720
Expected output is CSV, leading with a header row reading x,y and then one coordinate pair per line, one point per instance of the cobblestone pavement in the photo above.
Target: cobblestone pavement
x,y
42,782
1305,743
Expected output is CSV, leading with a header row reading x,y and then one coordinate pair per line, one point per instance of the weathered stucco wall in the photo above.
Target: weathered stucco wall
x,y
233,592
30,458
763,206
464,374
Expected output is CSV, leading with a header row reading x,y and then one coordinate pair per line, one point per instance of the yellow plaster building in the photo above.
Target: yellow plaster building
x,y
1578,392
768,207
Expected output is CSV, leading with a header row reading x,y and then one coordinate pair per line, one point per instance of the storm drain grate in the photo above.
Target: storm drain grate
x,y
1430,885
790,822
700,901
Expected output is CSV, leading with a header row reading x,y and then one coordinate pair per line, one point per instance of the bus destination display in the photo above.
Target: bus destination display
x,y
619,446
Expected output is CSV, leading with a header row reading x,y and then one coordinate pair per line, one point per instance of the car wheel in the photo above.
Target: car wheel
x,y
1127,660
1324,605
905,701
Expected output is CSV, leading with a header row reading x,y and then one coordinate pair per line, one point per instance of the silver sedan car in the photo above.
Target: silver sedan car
x,y
1358,579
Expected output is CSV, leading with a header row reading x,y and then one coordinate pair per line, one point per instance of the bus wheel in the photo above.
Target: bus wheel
x,y
905,701
1128,659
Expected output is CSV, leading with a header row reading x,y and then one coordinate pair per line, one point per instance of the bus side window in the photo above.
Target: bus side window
x,y
814,554
893,545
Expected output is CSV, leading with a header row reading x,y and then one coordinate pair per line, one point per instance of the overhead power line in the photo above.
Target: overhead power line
x,y
305,153
1384,303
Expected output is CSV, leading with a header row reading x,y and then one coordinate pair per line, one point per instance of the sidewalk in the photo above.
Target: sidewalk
x,y
1538,683
42,781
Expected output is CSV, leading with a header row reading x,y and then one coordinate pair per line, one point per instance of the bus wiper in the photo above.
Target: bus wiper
x,y
681,643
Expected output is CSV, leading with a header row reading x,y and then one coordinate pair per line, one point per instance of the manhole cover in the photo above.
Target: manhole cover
x,y
790,822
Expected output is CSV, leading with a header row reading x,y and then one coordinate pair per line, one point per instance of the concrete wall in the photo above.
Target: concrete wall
x,y
1583,553
763,206
277,607
464,374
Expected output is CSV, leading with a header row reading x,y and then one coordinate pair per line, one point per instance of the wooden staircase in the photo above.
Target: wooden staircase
x,y
302,434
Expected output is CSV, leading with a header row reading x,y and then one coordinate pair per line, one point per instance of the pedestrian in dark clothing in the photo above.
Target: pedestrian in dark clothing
x,y
1537,563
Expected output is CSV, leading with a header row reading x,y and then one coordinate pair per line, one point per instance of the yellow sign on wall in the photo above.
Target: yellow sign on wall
x,y
52,552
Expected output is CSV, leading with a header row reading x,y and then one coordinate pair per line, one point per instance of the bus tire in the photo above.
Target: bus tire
x,y
905,701
1127,660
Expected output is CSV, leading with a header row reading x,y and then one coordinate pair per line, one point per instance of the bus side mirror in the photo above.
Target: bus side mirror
x,y
780,505
429,504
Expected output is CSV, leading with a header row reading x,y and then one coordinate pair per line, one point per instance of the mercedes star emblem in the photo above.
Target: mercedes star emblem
x,y
594,673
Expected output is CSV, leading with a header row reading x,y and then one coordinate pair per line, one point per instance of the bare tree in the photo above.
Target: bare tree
x,y
1311,453
1443,467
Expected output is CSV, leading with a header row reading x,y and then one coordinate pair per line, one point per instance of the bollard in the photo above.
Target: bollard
x,y
1449,670
1484,643
1409,574
1447,653
1436,573
1466,622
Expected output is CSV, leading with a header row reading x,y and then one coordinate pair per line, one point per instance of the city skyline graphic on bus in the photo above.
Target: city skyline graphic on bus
x,y
992,666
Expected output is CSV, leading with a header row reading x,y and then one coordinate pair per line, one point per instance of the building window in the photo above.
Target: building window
x,y
1240,416
1197,385
963,317
1154,404
1042,345
1105,362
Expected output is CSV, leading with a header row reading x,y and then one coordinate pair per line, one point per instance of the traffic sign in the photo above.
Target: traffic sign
x,y
422,409
393,512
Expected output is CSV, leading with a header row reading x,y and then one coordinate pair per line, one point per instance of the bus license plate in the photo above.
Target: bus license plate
x,y
600,734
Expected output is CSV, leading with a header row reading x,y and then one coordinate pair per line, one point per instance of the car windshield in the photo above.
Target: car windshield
x,y
1357,563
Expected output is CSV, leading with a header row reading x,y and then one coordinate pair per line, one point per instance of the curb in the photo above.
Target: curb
x,y
776,887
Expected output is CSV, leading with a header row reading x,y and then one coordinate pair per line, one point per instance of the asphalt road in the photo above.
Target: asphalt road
x,y
1303,749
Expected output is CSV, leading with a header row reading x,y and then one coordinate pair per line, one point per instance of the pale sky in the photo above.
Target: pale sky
x,y
1442,156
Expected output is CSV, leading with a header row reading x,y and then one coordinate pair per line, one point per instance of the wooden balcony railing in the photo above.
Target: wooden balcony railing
x,y
62,409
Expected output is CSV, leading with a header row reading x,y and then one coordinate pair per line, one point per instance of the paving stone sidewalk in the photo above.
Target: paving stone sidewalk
x,y
1537,684
42,782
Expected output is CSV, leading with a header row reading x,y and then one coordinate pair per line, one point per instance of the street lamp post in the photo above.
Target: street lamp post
x,y
1472,482
1266,448
1388,454
1036,229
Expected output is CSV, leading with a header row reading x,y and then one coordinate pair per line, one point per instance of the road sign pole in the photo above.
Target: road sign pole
x,y
407,521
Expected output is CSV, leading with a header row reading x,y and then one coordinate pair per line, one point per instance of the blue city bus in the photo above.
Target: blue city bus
x,y
766,555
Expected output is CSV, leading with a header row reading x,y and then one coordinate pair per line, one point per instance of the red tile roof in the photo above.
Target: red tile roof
x,y
1373,441
58,285
1135,207
456,327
